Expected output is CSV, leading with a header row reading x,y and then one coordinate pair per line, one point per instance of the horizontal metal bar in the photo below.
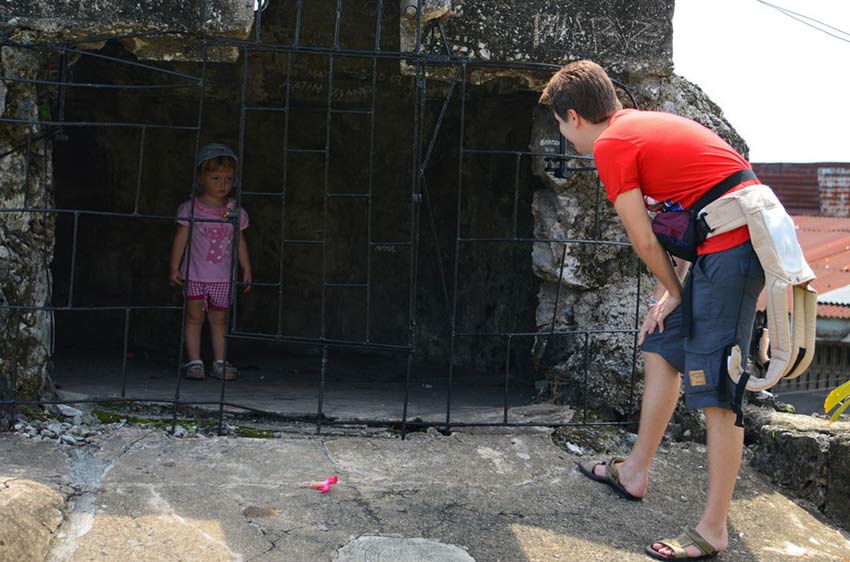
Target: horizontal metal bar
x,y
354,111
97,124
547,241
317,341
98,86
549,333
393,244
113,214
356,195
270,109
307,150
303,242
349,285
261,194
88,308
525,153
126,62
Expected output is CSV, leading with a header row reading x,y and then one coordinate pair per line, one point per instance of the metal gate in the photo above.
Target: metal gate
x,y
431,53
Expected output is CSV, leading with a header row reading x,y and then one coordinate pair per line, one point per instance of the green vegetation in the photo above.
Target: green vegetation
x,y
838,400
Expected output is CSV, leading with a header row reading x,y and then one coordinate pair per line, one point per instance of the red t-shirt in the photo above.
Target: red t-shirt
x,y
669,158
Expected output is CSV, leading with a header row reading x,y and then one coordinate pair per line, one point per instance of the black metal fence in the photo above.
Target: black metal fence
x,y
431,52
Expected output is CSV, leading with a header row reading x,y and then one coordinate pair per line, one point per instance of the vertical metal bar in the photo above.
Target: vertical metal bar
x,y
635,341
124,356
371,184
283,193
182,350
507,376
597,225
258,21
322,382
73,260
516,198
558,288
379,16
299,12
325,189
139,174
337,23
418,27
232,311
63,64
27,167
458,235
406,395
584,383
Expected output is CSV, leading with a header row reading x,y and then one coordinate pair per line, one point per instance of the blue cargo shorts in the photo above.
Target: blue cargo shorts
x,y
723,289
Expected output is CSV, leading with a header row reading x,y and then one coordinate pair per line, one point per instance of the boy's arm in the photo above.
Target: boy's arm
x,y
632,212
178,246
245,262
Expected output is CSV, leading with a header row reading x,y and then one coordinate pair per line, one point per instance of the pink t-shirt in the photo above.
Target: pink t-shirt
x,y
211,241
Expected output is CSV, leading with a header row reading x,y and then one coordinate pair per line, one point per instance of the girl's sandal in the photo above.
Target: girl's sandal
x,y
194,370
223,370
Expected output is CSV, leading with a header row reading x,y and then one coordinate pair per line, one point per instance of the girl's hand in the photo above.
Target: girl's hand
x,y
175,279
247,278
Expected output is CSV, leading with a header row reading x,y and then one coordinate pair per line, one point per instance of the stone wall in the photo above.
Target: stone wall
x,y
26,239
806,455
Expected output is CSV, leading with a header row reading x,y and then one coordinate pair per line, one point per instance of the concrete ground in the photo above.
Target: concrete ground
x,y
356,387
489,496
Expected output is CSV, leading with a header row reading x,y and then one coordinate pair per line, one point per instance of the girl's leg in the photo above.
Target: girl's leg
x,y
193,326
218,321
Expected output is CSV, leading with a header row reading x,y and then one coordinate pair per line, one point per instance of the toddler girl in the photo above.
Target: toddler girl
x,y
206,265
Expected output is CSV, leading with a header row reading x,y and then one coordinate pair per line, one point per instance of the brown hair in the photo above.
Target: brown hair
x,y
585,87
215,164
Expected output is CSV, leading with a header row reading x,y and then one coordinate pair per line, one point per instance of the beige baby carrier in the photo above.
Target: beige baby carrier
x,y
774,239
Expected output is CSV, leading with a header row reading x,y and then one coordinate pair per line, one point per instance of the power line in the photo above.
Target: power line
x,y
804,19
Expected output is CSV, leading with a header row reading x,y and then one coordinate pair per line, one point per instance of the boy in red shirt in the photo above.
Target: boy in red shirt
x,y
651,161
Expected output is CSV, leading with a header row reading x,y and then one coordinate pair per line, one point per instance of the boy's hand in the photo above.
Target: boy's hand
x,y
247,278
175,279
656,314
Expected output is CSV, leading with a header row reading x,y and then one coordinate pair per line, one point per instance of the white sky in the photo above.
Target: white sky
x,y
784,86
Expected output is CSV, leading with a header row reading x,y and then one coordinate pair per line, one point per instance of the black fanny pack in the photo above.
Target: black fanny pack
x,y
681,232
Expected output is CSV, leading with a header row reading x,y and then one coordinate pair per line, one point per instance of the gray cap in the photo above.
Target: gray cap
x,y
214,150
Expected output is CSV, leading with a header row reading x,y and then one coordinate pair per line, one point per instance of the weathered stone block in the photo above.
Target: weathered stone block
x,y
622,36
838,481
30,515
74,20
807,474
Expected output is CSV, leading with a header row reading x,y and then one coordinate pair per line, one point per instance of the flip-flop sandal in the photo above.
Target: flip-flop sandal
x,y
689,537
611,477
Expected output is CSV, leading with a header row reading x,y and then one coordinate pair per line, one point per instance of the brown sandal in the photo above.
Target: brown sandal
x,y
689,537
611,478
194,370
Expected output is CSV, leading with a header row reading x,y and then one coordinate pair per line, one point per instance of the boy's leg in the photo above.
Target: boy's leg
x,y
725,445
660,395
193,326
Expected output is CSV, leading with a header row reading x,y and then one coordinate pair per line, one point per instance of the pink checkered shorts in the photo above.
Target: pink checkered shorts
x,y
216,295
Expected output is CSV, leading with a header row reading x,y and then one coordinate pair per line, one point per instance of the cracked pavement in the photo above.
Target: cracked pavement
x,y
510,496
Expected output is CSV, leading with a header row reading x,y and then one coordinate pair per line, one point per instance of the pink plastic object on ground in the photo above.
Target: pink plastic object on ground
x,y
325,486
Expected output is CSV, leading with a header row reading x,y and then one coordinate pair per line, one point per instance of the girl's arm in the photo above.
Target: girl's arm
x,y
177,249
245,262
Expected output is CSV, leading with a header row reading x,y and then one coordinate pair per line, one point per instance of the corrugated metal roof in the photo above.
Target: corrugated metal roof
x,y
826,245
796,185
840,296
